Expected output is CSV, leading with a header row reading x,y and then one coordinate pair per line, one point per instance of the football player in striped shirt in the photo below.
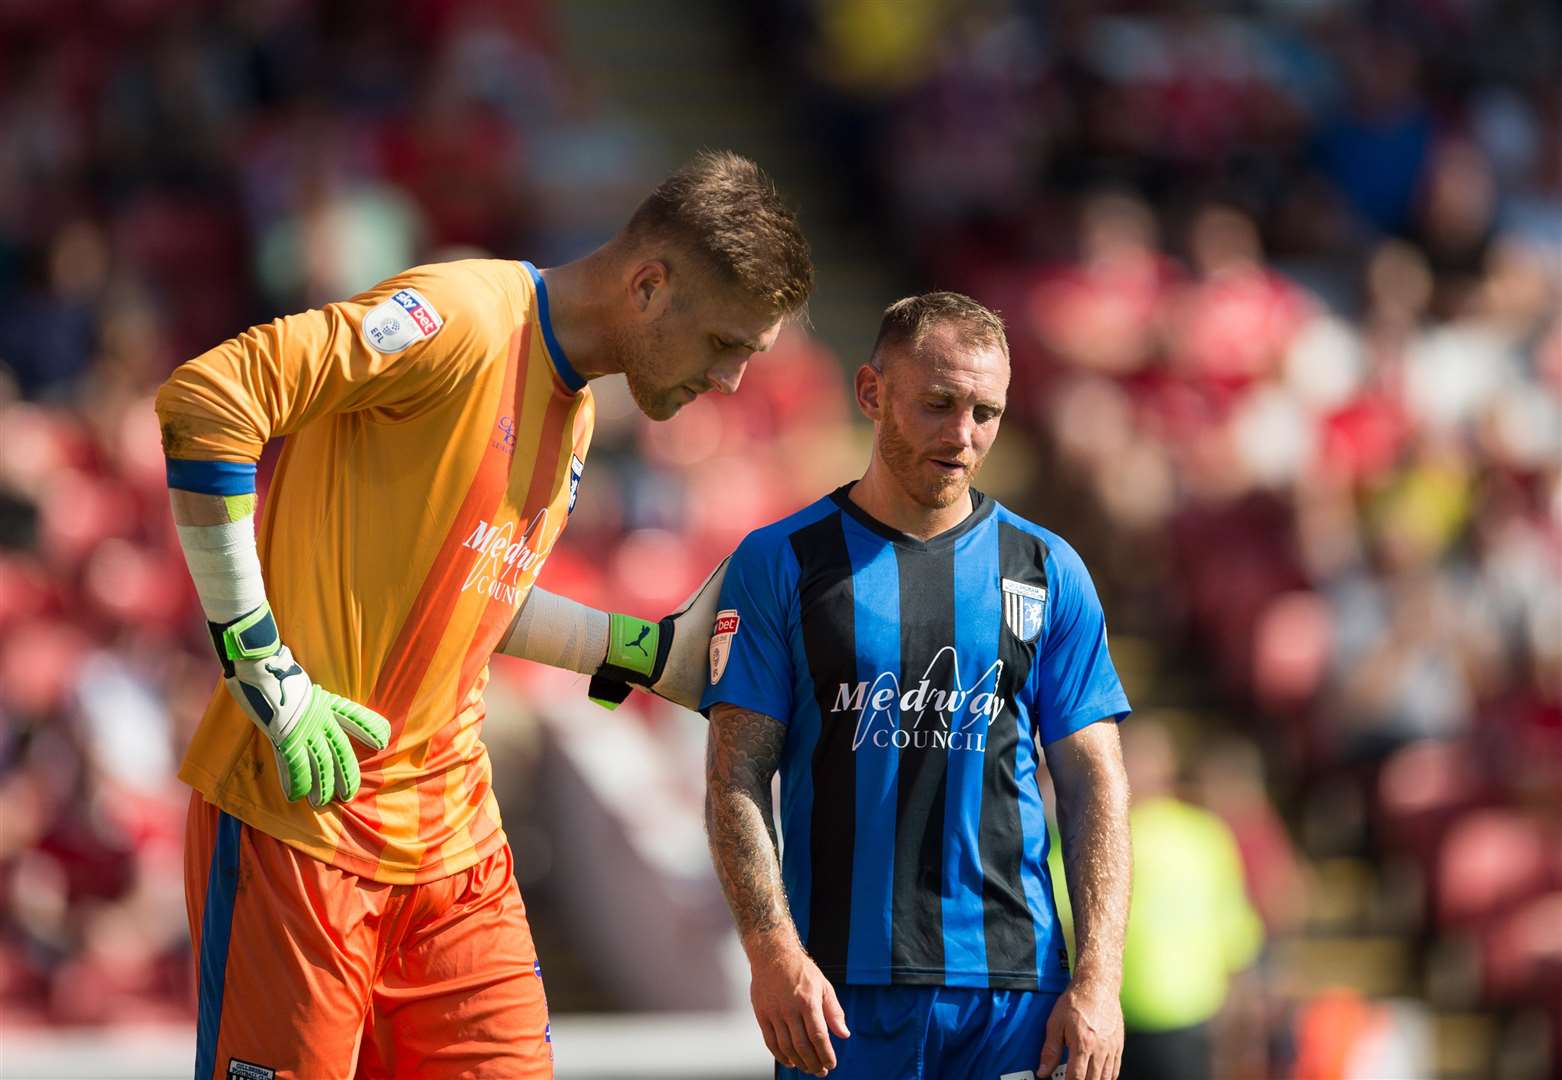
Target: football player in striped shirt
x,y
353,908
903,652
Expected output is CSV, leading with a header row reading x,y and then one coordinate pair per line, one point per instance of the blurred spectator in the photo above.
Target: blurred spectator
x,y
1283,283
1191,927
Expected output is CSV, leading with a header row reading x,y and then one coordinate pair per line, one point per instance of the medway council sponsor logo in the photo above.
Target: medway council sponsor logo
x,y
890,714
503,558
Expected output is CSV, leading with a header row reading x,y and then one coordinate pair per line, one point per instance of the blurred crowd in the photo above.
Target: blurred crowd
x,y
1284,285
1282,281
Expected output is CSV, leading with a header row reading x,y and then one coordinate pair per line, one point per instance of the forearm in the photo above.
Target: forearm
x,y
739,763
195,508
1097,858
559,632
743,847
217,535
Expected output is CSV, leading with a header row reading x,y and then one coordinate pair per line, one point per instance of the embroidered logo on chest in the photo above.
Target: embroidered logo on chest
x,y
1023,607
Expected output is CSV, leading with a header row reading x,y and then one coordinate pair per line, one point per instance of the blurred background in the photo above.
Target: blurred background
x,y
1282,280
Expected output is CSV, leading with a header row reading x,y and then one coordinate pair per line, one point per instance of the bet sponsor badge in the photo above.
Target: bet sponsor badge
x,y
721,642
407,317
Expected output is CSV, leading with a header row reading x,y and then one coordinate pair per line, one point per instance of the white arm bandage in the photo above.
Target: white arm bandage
x,y
559,632
225,566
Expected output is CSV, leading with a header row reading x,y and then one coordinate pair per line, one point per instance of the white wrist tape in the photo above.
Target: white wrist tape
x,y
225,566
559,632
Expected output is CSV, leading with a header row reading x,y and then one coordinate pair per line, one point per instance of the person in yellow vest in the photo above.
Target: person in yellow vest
x,y
1191,926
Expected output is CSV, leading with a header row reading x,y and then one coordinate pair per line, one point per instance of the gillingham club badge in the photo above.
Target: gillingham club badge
x,y
1023,606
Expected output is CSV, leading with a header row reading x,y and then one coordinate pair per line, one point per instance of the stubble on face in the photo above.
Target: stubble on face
x,y
640,352
933,490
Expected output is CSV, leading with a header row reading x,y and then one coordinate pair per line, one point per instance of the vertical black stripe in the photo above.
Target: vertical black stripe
x,y
1011,934
927,630
828,616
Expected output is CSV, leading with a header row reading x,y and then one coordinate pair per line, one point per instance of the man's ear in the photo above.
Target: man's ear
x,y
650,288
870,391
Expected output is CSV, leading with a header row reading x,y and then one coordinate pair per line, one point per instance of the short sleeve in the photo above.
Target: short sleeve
x,y
751,657
1073,683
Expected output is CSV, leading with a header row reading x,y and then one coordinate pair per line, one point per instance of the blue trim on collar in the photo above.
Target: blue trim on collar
x,y
570,377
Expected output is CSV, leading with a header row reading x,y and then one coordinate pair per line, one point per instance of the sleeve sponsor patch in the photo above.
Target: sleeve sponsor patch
x,y
721,642
393,324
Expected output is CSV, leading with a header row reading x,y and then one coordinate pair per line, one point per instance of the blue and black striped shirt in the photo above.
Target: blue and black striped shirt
x,y
916,681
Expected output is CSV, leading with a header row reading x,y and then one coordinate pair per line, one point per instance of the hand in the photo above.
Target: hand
x,y
307,726
796,1008
1088,1019
671,658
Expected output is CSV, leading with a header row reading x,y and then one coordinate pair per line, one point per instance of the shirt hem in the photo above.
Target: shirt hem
x,y
990,980
1113,708
739,703
317,847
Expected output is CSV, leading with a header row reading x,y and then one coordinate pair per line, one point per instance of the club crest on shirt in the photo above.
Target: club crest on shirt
x,y
393,324
722,632
1023,606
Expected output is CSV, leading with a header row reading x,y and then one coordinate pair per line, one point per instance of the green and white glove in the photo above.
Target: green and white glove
x,y
670,657
308,727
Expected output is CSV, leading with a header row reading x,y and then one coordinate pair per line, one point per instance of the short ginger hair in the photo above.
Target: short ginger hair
x,y
911,320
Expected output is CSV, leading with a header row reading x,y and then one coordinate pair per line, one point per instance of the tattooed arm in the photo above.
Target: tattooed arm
x,y
1087,767
794,1003
742,755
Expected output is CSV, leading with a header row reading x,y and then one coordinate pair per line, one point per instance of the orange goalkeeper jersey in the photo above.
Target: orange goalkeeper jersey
x,y
435,436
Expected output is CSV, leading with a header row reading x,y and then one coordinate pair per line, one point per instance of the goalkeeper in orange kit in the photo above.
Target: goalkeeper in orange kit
x,y
349,885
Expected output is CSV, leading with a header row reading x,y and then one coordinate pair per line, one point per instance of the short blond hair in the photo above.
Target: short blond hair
x,y
911,320
722,208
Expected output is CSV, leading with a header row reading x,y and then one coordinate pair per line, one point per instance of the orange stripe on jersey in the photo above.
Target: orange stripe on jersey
x,y
497,615
415,645
419,638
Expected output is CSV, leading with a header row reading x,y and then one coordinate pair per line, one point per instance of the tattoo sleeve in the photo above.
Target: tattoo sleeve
x,y
741,756
1097,855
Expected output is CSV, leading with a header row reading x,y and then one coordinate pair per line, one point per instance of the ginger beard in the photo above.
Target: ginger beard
x,y
639,354
926,484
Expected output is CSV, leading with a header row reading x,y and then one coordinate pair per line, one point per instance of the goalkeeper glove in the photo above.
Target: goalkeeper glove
x,y
671,657
307,726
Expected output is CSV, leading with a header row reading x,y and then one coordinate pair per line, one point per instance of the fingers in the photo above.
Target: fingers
x,y
779,1042
361,722
1052,1048
344,762
819,1036
292,772
322,771
767,1032
806,1056
834,1015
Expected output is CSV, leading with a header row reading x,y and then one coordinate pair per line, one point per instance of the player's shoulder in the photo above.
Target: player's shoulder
x,y
768,543
467,288
1052,547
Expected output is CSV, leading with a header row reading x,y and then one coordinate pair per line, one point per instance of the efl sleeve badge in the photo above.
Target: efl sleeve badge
x,y
721,642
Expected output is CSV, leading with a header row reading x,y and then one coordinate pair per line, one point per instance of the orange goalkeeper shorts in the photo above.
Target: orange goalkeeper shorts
x,y
309,972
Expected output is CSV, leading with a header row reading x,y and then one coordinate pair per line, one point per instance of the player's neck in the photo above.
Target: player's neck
x,y
578,315
878,494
